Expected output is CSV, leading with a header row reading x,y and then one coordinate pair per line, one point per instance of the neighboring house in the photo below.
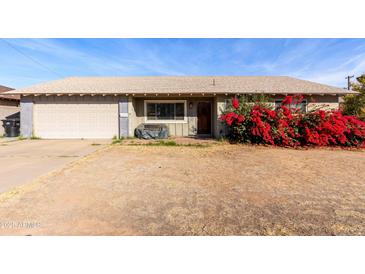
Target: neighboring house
x,y
103,107
9,105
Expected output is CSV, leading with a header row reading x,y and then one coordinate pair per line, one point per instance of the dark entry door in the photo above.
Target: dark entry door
x,y
204,117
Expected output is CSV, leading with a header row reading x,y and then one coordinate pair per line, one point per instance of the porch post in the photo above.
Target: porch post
x,y
123,117
26,117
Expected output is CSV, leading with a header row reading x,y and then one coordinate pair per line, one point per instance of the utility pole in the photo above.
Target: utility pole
x,y
348,81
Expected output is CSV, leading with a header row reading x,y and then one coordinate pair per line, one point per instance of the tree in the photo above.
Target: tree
x,y
354,104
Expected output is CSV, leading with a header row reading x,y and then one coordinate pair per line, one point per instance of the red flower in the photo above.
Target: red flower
x,y
229,118
298,99
322,114
270,113
240,118
287,100
235,103
286,112
284,128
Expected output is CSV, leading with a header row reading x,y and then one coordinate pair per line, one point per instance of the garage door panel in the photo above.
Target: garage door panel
x,y
76,120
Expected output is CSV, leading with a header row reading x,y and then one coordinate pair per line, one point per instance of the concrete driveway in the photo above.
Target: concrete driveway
x,y
23,160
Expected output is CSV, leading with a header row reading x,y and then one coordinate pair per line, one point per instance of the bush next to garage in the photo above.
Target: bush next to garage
x,y
254,121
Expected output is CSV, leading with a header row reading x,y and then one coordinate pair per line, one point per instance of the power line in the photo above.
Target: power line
x,y
30,58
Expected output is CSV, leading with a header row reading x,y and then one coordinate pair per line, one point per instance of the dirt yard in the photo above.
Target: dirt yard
x,y
217,190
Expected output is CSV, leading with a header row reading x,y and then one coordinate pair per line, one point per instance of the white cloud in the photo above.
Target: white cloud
x,y
327,61
336,75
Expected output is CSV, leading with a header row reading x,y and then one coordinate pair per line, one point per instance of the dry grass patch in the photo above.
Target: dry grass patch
x,y
217,190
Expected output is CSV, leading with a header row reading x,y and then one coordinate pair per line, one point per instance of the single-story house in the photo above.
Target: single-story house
x,y
9,105
104,107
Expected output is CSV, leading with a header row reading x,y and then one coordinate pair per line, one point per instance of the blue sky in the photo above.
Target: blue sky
x,y
29,61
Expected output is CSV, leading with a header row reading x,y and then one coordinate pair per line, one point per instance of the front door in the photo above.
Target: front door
x,y
204,117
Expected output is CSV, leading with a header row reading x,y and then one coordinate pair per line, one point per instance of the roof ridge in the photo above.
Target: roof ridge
x,y
174,76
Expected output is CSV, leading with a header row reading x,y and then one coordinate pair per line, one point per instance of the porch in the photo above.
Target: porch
x,y
184,115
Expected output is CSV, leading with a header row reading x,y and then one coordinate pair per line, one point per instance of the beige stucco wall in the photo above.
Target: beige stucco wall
x,y
133,120
137,116
220,129
47,110
188,128
318,101
323,102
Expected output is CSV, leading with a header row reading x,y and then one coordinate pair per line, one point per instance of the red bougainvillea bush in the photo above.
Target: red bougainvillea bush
x,y
287,125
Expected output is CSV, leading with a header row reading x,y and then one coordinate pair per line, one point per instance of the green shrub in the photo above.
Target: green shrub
x,y
354,104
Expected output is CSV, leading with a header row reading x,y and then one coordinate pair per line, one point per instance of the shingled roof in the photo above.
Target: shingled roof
x,y
7,96
181,85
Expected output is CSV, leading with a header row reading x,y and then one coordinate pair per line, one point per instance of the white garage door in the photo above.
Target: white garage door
x,y
75,120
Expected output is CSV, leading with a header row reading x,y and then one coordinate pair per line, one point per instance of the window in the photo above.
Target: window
x,y
278,103
165,111
227,102
302,105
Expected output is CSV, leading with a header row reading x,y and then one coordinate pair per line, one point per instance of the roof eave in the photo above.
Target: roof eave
x,y
177,93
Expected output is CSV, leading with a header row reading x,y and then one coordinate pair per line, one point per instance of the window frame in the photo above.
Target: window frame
x,y
281,100
227,101
185,120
